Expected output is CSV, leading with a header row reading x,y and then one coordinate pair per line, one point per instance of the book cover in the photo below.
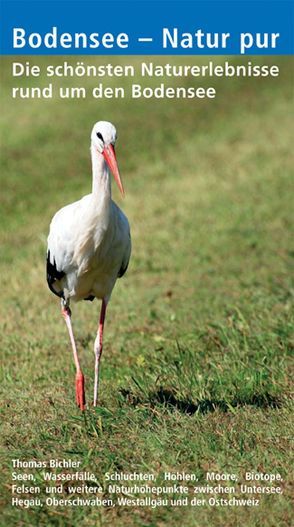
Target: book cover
x,y
146,204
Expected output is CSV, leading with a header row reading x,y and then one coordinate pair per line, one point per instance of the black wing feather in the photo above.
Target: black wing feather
x,y
52,275
123,269
126,260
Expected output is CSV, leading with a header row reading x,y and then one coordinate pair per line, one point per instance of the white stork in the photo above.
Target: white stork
x,y
89,246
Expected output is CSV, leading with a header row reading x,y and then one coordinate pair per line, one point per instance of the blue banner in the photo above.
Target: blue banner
x,y
147,27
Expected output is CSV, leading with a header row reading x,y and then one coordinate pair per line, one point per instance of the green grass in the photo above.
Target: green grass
x,y
195,372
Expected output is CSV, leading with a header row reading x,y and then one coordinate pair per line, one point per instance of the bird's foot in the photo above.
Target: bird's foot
x,y
80,390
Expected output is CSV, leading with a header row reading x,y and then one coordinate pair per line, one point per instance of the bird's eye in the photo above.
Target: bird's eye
x,y
100,136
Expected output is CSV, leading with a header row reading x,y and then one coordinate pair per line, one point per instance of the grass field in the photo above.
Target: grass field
x,y
196,367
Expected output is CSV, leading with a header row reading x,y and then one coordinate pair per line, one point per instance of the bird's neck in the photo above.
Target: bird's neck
x,y
101,185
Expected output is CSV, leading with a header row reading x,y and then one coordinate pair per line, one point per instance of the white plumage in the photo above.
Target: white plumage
x,y
89,245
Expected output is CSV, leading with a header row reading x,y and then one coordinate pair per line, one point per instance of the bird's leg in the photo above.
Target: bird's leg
x,y
98,348
80,389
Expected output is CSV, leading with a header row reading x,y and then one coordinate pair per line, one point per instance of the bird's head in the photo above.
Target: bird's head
x,y
103,139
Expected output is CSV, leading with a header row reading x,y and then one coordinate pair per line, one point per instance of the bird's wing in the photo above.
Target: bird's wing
x,y
54,276
61,246
123,233
126,257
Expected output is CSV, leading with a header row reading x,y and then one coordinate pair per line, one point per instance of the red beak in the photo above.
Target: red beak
x,y
110,158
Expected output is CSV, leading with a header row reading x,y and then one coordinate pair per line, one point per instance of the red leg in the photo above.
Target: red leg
x,y
98,346
80,381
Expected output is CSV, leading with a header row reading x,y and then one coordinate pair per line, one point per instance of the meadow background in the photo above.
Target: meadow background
x,y
195,373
